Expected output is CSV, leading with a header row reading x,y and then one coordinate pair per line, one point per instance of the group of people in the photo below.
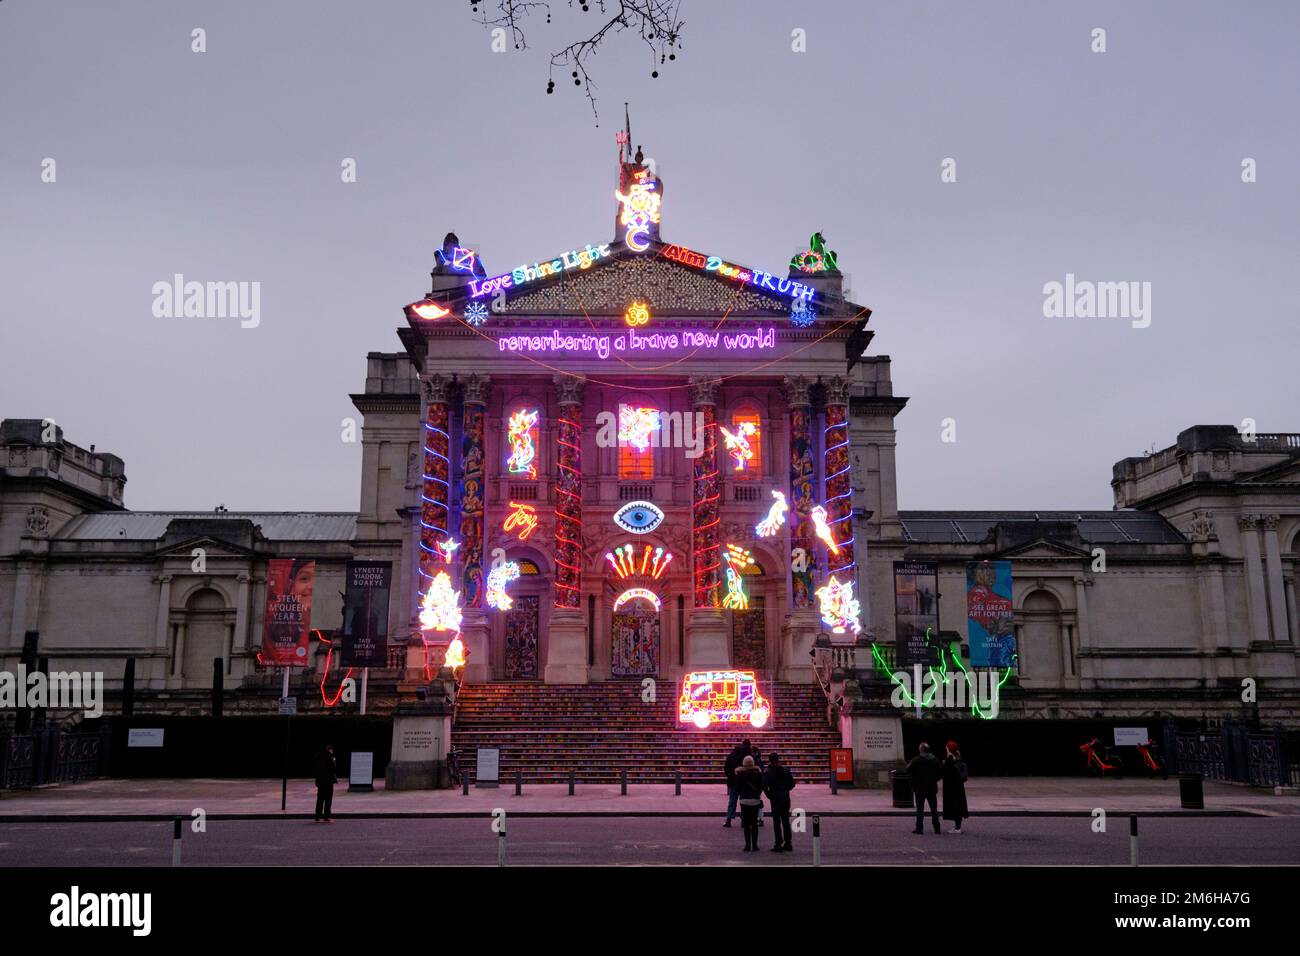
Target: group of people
x,y
926,771
749,779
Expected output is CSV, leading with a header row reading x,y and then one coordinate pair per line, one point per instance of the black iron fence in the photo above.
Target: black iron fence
x,y
1234,753
51,755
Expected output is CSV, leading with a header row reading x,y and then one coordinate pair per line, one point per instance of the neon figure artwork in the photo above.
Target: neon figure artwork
x,y
723,696
522,434
524,517
738,443
775,517
736,559
495,589
440,609
818,515
802,314
638,517
447,548
635,426
817,258
840,609
640,210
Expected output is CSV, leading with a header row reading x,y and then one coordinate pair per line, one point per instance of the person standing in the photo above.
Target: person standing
x,y
758,762
925,771
954,786
733,761
778,781
749,790
326,776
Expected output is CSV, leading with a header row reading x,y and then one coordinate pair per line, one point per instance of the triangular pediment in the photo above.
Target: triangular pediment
x,y
1043,548
212,548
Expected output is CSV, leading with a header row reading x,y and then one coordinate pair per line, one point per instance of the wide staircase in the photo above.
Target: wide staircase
x,y
544,731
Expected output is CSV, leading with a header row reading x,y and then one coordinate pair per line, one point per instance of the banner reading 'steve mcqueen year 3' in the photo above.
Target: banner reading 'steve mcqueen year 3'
x,y
286,628
365,614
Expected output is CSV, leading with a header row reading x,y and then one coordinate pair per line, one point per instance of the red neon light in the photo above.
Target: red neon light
x,y
328,654
568,511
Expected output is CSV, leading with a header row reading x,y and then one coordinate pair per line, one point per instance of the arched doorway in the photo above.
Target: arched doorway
x,y
206,633
1041,660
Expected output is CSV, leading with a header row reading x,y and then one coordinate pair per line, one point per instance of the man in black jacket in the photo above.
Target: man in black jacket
x,y
925,771
734,760
326,776
778,781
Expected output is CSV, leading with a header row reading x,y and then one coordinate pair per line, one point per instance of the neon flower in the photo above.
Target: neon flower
x,y
524,516
521,430
636,425
497,579
818,515
631,594
738,444
440,609
429,310
840,609
447,549
638,313
775,517
455,654
640,210
736,559
712,697
476,314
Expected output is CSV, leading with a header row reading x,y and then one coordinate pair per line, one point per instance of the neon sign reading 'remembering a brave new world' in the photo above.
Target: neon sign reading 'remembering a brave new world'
x,y
604,345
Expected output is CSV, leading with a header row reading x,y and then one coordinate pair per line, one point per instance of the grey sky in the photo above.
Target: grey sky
x,y
225,166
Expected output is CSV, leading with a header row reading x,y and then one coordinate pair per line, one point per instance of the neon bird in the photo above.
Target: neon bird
x,y
738,443
818,515
497,579
839,608
635,425
523,454
775,517
429,310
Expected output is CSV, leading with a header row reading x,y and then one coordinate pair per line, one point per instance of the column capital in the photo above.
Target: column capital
x,y
704,391
837,391
436,387
475,388
568,389
1269,522
795,390
1248,522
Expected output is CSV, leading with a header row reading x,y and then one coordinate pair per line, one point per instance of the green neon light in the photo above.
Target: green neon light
x,y
954,650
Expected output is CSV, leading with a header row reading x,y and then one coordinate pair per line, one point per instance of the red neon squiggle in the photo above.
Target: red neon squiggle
x,y
325,674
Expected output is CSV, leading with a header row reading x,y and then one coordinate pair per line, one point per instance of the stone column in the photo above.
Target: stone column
x,y
474,627
435,486
1276,593
1082,665
1249,525
1292,609
839,492
708,643
566,653
155,677
802,621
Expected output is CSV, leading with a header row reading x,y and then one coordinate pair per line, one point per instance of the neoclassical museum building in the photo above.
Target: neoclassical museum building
x,y
675,463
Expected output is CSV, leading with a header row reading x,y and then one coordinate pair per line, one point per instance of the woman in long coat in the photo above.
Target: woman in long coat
x,y
954,786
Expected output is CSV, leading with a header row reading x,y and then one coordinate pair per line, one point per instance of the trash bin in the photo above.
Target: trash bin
x,y
902,786
1190,791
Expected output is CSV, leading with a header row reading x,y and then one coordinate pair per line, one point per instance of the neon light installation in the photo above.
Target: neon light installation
x,y
840,609
497,579
640,210
568,503
524,274
817,258
635,425
726,696
838,489
522,435
736,559
462,260
738,443
524,516
440,609
476,314
429,310
802,314
638,313
653,561
455,654
638,517
606,345
818,515
632,594
762,280
447,548
435,542
940,679
775,517
325,698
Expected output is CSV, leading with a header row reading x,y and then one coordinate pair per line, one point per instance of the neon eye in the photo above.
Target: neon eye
x,y
638,517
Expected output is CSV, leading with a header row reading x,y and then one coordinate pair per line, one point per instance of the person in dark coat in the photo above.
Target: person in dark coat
x,y
758,762
954,786
734,760
327,774
778,781
749,790
925,771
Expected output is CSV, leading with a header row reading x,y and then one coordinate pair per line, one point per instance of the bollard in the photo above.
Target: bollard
x,y
835,784
176,841
501,844
570,783
464,783
519,782
1133,839
623,781
677,776
817,841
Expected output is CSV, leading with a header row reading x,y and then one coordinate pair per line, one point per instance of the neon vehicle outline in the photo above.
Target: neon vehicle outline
x,y
722,696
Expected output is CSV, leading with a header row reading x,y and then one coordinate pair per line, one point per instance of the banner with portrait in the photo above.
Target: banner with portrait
x,y
365,614
286,625
990,624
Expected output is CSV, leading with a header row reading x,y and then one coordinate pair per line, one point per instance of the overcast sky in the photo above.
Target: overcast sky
x,y
225,165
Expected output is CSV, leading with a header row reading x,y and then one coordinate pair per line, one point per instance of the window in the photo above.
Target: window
x,y
743,444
